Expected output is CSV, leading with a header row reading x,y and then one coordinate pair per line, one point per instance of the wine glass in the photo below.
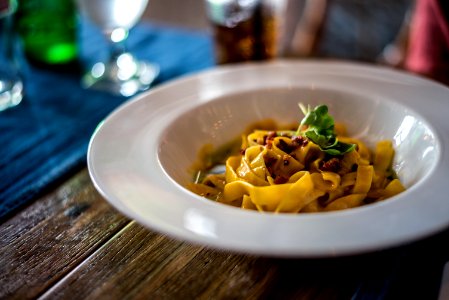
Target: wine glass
x,y
122,74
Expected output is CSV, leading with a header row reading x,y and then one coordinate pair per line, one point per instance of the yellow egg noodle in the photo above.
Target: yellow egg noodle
x,y
286,172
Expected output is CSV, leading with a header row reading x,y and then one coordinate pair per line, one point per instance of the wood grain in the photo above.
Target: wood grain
x,y
140,264
53,235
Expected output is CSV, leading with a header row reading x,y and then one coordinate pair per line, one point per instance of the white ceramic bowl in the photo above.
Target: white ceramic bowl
x,y
139,158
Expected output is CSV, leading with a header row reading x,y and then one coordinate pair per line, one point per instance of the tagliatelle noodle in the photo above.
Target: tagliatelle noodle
x,y
274,174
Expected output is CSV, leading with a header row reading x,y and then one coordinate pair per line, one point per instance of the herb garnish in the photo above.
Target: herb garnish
x,y
318,126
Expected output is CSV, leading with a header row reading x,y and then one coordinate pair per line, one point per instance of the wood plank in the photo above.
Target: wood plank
x,y
120,267
213,274
140,264
49,238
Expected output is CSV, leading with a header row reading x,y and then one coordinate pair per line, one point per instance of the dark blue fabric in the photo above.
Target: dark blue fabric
x,y
46,136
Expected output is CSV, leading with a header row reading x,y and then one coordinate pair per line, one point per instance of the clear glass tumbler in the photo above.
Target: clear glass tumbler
x,y
11,87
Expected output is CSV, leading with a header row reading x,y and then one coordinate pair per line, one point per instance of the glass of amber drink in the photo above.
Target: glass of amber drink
x,y
245,30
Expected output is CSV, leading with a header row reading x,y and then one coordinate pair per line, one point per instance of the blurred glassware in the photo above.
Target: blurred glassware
x,y
48,31
11,87
123,74
245,30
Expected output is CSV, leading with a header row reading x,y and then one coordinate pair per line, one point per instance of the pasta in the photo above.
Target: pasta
x,y
314,169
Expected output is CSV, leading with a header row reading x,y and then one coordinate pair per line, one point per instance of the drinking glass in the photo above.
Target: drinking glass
x,y
11,87
122,74
245,30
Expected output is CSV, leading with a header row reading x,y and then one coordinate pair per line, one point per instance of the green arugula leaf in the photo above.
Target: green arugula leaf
x,y
318,126
324,141
340,148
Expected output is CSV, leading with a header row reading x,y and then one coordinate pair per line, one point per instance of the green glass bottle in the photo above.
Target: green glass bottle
x,y
48,30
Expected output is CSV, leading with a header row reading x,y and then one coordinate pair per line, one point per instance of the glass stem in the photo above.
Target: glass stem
x,y
117,43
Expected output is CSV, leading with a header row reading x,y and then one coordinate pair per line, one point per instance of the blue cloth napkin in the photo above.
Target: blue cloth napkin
x,y
46,137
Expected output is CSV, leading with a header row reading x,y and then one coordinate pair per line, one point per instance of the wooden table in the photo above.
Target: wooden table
x,y
71,244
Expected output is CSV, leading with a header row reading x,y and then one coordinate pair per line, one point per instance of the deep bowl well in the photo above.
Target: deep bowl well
x,y
366,117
